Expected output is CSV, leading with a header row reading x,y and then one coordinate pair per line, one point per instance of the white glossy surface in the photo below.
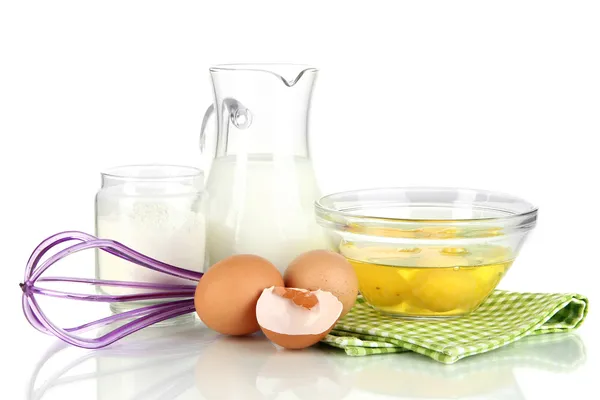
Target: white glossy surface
x,y
191,362
492,95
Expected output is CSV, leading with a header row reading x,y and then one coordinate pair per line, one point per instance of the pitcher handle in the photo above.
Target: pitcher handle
x,y
239,116
235,113
206,159
209,112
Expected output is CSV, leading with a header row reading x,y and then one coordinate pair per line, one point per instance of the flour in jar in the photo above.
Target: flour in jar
x,y
167,227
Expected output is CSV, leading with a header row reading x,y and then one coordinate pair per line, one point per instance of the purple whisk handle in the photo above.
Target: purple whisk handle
x,y
142,317
127,284
118,298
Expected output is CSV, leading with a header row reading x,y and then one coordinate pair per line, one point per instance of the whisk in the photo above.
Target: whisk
x,y
142,316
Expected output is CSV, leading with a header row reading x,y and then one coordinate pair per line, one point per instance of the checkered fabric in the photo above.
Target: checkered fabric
x,y
503,318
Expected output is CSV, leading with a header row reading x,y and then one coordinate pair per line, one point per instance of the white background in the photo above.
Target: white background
x,y
501,95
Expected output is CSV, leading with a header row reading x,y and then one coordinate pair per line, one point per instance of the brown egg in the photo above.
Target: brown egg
x,y
227,293
325,270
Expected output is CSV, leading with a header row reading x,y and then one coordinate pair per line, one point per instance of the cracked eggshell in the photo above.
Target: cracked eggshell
x,y
297,318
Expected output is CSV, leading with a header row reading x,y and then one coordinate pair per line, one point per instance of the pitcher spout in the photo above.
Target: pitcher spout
x,y
289,74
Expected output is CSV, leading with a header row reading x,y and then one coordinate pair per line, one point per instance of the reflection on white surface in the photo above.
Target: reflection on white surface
x,y
253,368
486,376
155,363
191,362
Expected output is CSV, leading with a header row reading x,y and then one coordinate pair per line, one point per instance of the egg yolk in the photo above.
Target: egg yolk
x,y
452,284
387,288
432,281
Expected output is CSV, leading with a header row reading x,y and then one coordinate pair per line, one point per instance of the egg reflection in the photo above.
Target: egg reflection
x,y
307,373
228,367
254,368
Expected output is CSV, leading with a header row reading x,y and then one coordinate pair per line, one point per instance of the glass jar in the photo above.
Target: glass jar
x,y
157,210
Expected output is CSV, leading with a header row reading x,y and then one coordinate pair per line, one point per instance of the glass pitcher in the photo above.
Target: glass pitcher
x,y
261,183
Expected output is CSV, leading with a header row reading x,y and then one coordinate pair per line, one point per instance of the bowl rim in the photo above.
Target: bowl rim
x,y
531,212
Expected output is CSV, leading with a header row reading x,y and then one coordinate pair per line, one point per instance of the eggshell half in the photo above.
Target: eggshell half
x,y
291,318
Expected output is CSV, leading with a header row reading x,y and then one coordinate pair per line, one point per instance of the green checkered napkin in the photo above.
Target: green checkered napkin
x,y
503,318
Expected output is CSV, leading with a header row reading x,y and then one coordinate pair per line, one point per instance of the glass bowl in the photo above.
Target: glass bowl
x,y
427,252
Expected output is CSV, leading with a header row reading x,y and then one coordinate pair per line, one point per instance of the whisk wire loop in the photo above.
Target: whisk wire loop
x,y
142,316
